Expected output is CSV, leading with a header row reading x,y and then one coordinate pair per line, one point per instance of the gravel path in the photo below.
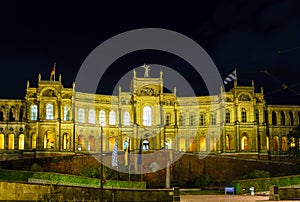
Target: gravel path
x,y
222,198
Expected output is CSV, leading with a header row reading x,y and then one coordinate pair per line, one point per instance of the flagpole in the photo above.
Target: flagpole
x,y
236,77
140,160
54,70
128,159
101,161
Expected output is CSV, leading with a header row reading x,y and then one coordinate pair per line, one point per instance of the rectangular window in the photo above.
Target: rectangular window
x,y
81,116
112,118
67,113
244,115
126,118
182,119
192,119
33,112
227,117
213,119
202,119
49,112
168,118
102,118
147,116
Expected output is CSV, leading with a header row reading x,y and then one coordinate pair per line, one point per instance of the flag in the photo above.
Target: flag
x,y
52,75
140,153
114,160
230,77
127,154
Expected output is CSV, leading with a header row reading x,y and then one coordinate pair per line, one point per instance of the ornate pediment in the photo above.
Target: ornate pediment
x,y
32,95
67,96
49,93
146,91
244,97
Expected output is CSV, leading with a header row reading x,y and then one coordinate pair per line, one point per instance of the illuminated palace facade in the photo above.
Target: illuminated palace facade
x,y
55,118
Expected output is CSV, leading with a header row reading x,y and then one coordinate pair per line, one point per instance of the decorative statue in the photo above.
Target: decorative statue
x,y
147,68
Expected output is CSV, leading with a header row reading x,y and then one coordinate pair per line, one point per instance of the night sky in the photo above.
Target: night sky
x,y
252,36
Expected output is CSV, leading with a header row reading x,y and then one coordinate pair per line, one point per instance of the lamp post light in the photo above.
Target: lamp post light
x,y
101,161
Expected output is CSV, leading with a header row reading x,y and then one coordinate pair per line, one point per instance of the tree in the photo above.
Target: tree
x,y
293,141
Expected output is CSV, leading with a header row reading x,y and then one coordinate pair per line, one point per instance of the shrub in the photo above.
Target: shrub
x,y
36,167
202,181
257,174
92,171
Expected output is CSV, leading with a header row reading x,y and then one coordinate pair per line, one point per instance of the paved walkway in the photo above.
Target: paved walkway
x,y
222,198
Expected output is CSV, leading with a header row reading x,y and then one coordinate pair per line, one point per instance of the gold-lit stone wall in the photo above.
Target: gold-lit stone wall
x,y
54,118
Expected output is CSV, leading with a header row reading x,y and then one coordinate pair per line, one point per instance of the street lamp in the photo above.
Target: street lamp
x,y
101,161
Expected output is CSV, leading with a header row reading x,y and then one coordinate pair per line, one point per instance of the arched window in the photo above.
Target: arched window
x,y
146,145
244,115
112,118
2,113
257,116
212,143
92,116
274,118
168,118
126,118
81,115
202,119
1,141
267,117
282,118
268,143
91,143
202,144
244,143
166,145
147,116
21,114
66,113
192,145
284,144
182,144
49,111
292,142
66,141
49,140
192,119
276,143
11,141
81,143
33,141
227,142
21,142
102,118
125,145
227,116
33,112
12,114
291,118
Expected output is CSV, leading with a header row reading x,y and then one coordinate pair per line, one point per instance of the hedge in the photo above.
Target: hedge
x,y
23,176
263,184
